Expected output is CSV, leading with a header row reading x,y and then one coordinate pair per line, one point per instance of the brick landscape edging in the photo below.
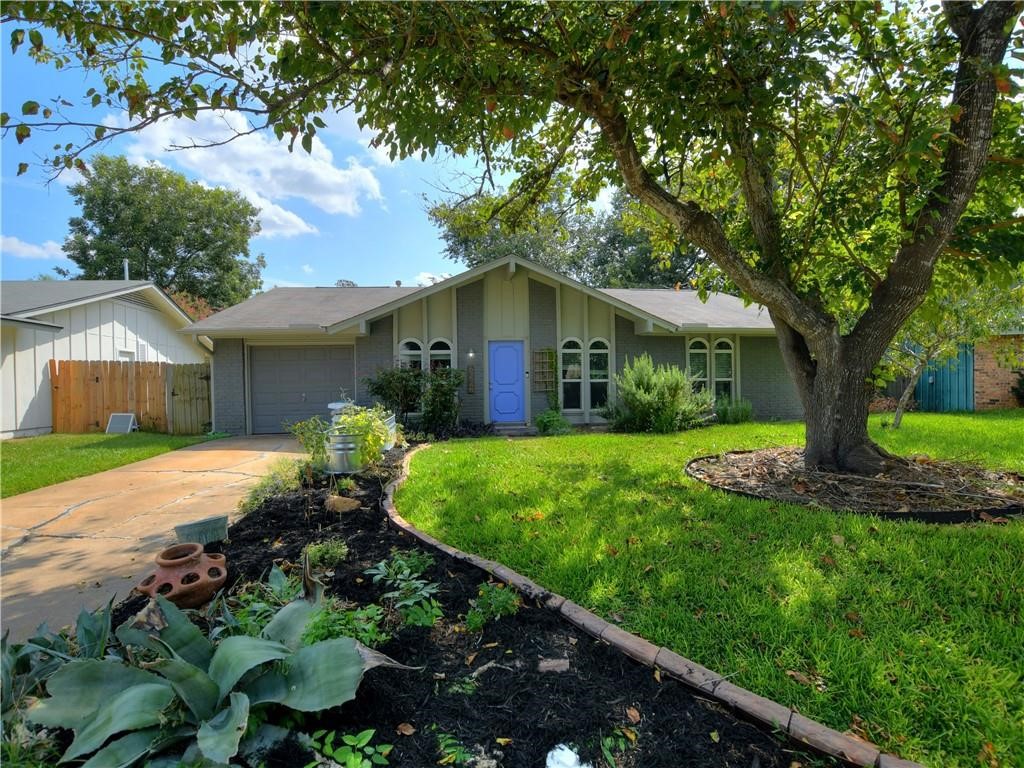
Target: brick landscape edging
x,y
849,749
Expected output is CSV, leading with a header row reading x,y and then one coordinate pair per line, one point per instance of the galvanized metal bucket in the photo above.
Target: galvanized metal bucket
x,y
343,451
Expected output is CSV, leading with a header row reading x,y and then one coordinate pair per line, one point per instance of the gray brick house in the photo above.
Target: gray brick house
x,y
520,332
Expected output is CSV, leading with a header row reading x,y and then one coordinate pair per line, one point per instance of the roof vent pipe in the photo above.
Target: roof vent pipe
x,y
126,269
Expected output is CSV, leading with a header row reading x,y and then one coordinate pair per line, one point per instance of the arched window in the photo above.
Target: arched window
x,y
723,369
697,363
571,368
440,354
599,372
410,354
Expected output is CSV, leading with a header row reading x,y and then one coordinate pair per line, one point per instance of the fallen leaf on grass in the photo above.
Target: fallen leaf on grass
x,y
612,551
813,681
996,520
648,568
715,737
826,560
838,540
852,616
633,715
858,633
405,729
987,755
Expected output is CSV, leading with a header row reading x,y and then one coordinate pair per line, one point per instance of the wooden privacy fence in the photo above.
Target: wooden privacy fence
x,y
165,397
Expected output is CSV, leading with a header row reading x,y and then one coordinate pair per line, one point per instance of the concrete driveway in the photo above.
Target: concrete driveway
x,y
76,543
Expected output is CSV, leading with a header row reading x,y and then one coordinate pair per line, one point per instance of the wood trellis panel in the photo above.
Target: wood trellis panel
x,y
542,371
85,393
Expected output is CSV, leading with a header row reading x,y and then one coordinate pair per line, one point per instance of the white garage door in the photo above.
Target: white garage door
x,y
289,384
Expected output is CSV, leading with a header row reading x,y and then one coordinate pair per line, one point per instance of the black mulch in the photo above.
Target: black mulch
x,y
537,711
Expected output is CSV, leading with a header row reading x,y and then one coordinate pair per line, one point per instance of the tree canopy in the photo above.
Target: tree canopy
x,y
619,248
188,239
822,155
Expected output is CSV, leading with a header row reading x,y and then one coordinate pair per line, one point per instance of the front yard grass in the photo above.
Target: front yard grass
x,y
28,463
910,634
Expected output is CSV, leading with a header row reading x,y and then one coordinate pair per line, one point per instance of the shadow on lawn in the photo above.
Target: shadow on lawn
x,y
891,629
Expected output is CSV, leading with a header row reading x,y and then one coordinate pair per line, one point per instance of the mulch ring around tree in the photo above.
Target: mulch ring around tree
x,y
919,488
484,689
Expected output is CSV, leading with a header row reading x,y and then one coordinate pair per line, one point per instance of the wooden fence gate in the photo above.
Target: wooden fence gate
x,y
164,397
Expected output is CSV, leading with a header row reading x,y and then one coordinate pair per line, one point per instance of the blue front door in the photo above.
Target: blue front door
x,y
505,361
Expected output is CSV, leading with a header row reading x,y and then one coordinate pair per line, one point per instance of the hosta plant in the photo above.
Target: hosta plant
x,y
194,695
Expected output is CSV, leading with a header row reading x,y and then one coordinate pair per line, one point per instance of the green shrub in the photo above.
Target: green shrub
x,y
552,422
355,751
326,554
656,399
400,389
494,601
441,401
283,476
364,624
368,422
312,436
733,412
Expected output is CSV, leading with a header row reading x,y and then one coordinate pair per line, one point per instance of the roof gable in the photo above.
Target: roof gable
x,y
33,297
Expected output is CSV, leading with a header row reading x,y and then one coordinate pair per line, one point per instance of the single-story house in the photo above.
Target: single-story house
x,y
125,320
519,331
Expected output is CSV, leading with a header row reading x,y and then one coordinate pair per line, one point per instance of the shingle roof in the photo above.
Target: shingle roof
x,y
299,308
685,309
28,297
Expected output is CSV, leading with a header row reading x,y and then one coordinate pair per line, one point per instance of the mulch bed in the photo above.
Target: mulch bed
x,y
602,691
916,489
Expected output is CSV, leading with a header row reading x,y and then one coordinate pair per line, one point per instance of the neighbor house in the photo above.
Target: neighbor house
x,y
43,320
522,334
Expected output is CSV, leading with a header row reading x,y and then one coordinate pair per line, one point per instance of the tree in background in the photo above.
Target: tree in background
x,y
952,315
624,247
195,308
344,283
822,155
188,239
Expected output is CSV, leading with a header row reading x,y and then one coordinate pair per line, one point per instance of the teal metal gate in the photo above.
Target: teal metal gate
x,y
948,386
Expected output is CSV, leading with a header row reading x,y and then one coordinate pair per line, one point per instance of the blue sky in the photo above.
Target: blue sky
x,y
345,211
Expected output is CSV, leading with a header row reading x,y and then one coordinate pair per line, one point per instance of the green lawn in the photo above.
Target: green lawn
x,y
912,633
33,462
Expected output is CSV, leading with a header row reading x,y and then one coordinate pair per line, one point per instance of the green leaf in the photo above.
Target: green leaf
x,y
194,686
92,630
218,739
289,623
307,143
318,677
22,168
79,688
183,636
237,655
30,108
98,133
17,38
125,751
4,119
36,38
138,707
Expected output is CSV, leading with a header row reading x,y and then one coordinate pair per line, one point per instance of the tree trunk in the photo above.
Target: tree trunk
x,y
897,418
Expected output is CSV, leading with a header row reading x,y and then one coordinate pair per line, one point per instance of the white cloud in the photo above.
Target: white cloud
x,y
262,169
429,278
19,249
307,269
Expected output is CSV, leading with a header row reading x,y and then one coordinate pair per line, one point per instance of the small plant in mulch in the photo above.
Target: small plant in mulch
x,y
920,487
493,602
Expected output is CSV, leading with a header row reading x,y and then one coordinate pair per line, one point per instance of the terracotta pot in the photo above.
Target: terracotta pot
x,y
186,575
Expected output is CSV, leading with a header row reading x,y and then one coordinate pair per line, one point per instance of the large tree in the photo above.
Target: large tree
x,y
850,135
187,238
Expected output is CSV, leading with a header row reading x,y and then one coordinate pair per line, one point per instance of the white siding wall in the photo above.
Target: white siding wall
x,y
95,331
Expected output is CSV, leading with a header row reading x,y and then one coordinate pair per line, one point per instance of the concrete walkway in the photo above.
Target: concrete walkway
x,y
79,542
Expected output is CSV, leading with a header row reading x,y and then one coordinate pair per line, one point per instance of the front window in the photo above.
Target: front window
x,y
697,363
410,354
571,367
599,370
440,354
723,369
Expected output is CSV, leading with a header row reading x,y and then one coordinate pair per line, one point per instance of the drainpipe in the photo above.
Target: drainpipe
x,y
126,269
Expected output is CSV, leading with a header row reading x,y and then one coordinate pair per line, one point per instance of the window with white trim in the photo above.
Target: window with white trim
x,y
724,369
440,354
697,363
410,354
125,356
571,369
598,372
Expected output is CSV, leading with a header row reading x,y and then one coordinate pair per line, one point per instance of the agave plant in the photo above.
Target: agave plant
x,y
195,695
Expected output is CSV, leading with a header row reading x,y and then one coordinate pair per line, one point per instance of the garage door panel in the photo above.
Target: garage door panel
x,y
293,383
